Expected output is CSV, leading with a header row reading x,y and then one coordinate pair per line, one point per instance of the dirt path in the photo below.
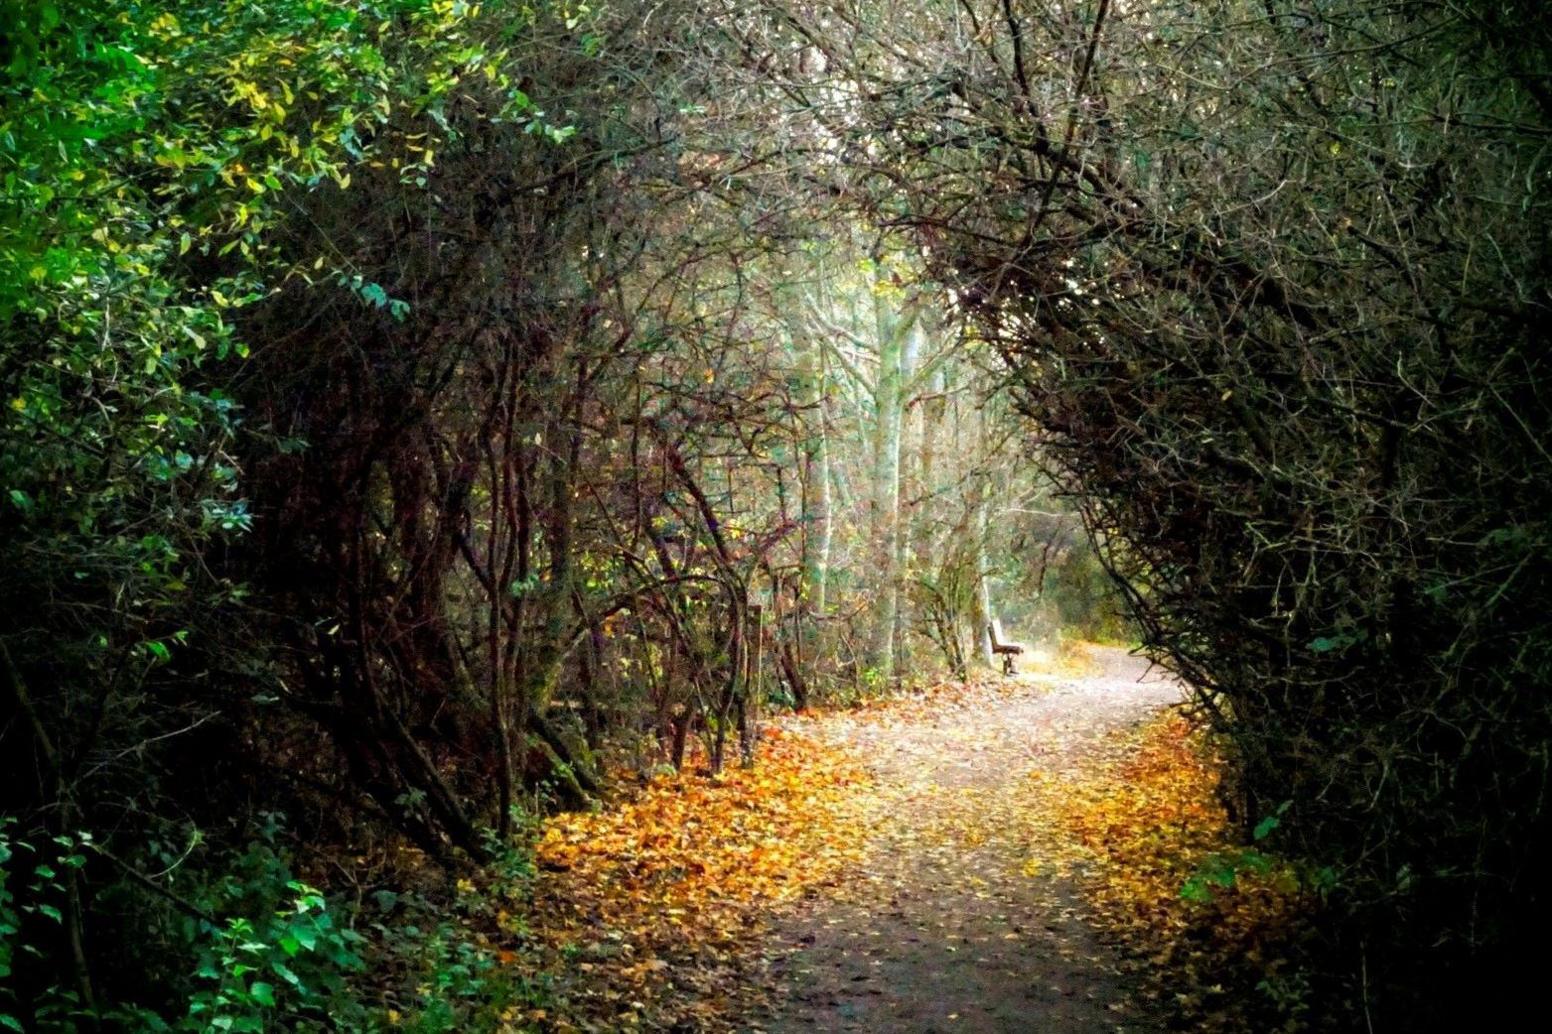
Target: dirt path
x,y
950,928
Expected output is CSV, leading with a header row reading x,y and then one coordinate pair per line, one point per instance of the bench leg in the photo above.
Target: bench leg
x,y
1007,664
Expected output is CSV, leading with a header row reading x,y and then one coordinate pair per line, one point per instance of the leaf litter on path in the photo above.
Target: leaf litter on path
x,y
971,858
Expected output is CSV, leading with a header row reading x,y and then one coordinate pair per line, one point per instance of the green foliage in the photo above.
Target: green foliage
x,y
28,888
149,155
279,956
33,909
278,959
143,160
464,986
1290,995
453,977
10,926
283,967
1221,870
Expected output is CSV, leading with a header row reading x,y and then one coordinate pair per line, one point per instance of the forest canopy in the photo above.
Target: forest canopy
x,y
418,413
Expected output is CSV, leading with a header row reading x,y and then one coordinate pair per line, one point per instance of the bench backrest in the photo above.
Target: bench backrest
x,y
997,636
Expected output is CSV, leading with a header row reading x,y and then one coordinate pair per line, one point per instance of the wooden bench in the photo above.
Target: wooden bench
x,y
1002,647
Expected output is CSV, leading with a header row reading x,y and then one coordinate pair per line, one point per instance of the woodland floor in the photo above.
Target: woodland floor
x,y
950,926
1011,854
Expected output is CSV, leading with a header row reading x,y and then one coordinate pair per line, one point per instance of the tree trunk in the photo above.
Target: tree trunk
x,y
819,573
818,529
908,484
887,401
983,593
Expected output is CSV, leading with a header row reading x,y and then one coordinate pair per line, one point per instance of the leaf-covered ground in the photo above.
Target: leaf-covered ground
x,y
958,922
1215,921
1008,855
655,908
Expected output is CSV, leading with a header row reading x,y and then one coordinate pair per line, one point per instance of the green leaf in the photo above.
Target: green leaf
x,y
375,294
263,993
1195,889
1325,644
284,972
1265,827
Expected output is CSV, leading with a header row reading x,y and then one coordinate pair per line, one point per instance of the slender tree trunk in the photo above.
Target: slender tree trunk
x,y
818,531
983,589
982,596
909,484
822,504
886,483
